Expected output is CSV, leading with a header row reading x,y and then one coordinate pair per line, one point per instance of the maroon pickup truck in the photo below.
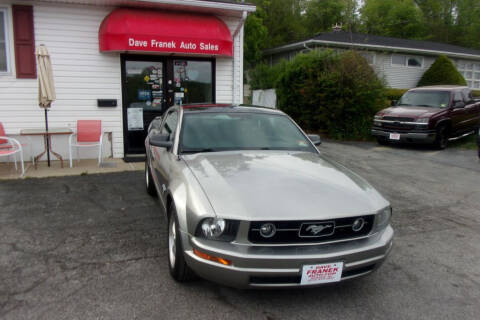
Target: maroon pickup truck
x,y
435,114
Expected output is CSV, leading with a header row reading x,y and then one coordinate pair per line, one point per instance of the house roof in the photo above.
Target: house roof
x,y
218,6
373,42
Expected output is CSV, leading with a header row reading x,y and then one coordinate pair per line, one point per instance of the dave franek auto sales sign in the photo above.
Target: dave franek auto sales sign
x,y
322,273
206,47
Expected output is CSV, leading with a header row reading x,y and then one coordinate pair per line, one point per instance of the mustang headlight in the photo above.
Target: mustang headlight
x,y
377,117
217,229
382,219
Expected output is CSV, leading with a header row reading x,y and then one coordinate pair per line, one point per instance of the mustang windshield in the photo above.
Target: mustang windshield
x,y
435,99
209,132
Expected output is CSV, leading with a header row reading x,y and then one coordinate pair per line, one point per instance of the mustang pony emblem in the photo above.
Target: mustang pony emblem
x,y
316,229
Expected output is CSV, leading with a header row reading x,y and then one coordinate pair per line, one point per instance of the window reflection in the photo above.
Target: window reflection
x,y
193,81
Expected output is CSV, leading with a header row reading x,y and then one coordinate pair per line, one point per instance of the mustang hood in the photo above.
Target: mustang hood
x,y
281,186
411,112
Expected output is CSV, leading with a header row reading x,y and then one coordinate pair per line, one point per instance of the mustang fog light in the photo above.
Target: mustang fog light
x,y
268,230
358,224
206,256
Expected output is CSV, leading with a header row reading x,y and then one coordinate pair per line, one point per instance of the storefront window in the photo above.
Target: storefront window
x,y
193,81
144,84
3,41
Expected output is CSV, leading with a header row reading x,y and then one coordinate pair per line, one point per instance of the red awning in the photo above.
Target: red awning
x,y
136,30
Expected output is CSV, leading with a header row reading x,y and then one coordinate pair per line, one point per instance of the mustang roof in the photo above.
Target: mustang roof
x,y
227,108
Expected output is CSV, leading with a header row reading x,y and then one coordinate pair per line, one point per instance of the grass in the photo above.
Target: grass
x,y
469,143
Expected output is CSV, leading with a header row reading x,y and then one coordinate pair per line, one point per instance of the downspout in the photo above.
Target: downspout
x,y
235,72
306,47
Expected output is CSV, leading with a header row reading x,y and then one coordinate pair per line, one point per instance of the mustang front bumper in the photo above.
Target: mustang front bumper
x,y
281,266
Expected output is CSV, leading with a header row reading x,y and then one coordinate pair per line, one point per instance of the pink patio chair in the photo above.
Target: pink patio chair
x,y
89,134
10,147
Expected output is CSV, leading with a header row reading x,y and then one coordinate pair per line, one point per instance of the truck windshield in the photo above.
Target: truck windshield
x,y
435,99
210,132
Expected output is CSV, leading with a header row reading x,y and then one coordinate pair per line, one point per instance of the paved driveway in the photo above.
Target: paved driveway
x,y
93,247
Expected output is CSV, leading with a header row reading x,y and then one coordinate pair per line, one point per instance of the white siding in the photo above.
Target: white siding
x,y
225,73
470,69
82,75
400,76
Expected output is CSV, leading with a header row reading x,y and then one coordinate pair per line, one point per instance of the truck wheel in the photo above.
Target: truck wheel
x,y
149,181
179,270
441,141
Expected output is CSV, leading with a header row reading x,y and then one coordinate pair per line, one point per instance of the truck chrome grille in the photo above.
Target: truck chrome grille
x,y
311,231
398,123
402,119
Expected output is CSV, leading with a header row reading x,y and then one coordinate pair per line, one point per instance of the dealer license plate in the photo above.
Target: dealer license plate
x,y
394,136
322,273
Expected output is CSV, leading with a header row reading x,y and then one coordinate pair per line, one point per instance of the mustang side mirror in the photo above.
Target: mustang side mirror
x,y
393,103
160,140
458,104
315,138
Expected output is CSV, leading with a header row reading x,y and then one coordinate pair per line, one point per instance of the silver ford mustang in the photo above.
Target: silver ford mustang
x,y
250,201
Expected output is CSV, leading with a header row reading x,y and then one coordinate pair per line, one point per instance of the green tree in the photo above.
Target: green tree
x,y
394,18
256,34
442,71
467,27
321,15
284,20
439,16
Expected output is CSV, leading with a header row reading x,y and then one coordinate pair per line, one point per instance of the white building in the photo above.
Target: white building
x,y
400,62
142,55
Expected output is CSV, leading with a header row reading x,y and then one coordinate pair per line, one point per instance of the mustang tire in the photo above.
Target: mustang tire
x,y
179,269
149,181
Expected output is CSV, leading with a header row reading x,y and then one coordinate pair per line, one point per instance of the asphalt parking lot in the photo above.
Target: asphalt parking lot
x,y
94,247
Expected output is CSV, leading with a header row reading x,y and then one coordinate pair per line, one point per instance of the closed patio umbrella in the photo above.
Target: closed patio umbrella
x,y
46,89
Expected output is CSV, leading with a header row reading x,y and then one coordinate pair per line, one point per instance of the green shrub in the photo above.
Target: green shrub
x,y
394,94
339,93
265,77
476,93
442,71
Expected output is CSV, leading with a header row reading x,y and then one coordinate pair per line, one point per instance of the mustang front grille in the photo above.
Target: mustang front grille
x,y
286,232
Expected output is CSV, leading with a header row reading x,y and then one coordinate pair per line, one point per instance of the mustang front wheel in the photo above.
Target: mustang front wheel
x,y
179,269
149,181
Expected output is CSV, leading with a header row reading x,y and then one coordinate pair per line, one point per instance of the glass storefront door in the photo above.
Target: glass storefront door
x,y
143,99
192,81
151,84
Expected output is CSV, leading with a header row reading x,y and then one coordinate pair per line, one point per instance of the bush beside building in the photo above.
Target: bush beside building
x,y
326,91
442,71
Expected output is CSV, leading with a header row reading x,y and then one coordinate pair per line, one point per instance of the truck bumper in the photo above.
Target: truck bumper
x,y
413,137
273,267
